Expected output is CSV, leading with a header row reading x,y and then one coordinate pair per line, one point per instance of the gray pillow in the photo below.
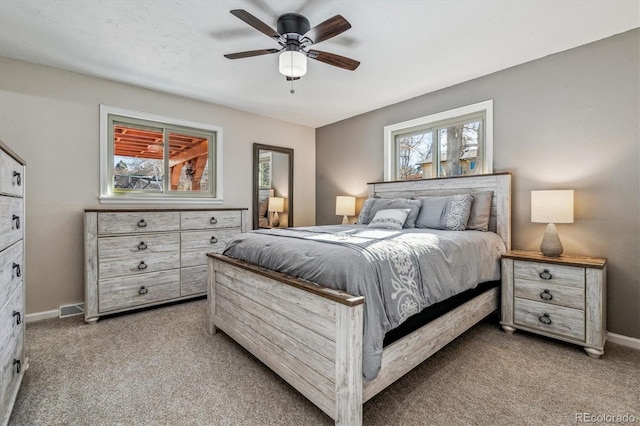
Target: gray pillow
x,y
480,211
389,219
373,205
450,212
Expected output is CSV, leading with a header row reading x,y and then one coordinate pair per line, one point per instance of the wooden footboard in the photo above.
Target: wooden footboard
x,y
311,336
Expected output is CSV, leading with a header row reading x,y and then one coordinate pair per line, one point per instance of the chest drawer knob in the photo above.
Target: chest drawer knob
x,y
18,365
545,295
142,266
142,224
213,220
16,221
18,317
213,240
142,246
17,178
545,275
143,290
16,267
544,318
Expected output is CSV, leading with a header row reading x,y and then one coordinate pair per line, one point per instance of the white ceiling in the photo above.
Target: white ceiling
x,y
406,48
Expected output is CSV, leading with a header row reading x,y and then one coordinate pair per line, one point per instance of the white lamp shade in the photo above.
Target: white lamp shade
x,y
276,204
345,205
292,64
552,206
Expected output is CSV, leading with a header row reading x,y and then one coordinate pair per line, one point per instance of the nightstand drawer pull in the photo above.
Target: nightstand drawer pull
x,y
142,266
545,275
142,224
545,319
213,240
545,295
142,246
143,290
213,221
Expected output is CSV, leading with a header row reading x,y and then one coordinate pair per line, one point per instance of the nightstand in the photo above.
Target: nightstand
x,y
561,297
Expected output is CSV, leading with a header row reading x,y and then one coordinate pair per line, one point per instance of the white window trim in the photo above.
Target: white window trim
x,y
486,106
106,196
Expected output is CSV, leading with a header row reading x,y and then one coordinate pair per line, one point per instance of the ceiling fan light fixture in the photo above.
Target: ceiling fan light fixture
x,y
292,63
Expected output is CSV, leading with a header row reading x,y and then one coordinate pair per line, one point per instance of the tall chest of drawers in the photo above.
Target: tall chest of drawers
x,y
12,292
140,258
561,297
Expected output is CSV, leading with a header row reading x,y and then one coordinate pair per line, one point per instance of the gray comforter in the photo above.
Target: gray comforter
x,y
398,272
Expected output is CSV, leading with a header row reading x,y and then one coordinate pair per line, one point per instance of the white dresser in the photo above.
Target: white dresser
x,y
140,258
13,363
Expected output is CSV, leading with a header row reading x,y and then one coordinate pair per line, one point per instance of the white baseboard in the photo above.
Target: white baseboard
x,y
631,342
37,316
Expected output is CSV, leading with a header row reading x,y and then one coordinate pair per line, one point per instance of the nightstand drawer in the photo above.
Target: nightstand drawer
x,y
548,318
548,292
549,273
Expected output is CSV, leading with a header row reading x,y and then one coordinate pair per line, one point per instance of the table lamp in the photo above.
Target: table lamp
x,y
276,205
552,207
345,206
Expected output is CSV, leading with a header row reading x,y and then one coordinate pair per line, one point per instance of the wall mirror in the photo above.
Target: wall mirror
x,y
272,186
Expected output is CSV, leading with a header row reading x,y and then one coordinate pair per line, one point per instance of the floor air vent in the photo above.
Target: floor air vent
x,y
71,310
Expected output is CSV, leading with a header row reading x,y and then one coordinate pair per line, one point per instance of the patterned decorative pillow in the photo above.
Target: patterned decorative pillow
x,y
449,212
480,211
389,219
373,205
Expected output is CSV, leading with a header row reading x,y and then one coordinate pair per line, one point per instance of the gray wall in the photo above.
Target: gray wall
x,y
51,119
567,121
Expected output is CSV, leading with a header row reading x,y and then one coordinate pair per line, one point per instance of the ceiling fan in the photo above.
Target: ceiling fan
x,y
295,36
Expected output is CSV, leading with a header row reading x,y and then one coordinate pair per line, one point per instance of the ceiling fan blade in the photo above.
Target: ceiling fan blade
x,y
328,29
250,53
333,59
248,18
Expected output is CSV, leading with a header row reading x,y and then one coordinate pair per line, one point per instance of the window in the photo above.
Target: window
x,y
149,158
452,143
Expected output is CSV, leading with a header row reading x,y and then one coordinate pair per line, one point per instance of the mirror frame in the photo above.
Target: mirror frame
x,y
256,162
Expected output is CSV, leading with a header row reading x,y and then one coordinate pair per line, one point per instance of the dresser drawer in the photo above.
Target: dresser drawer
x,y
210,219
195,245
11,221
11,267
12,338
10,372
137,222
140,254
549,292
12,176
126,292
567,322
549,273
193,280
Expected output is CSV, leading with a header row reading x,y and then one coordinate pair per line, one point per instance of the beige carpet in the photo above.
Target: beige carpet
x,y
161,367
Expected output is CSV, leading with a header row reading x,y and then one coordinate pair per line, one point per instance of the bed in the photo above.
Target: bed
x,y
312,335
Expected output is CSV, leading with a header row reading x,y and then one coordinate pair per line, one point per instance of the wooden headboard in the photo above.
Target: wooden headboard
x,y
498,183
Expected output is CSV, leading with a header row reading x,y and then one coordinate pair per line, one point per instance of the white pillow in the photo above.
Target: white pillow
x,y
389,219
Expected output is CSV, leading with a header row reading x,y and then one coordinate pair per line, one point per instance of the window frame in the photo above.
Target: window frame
x,y
107,192
390,132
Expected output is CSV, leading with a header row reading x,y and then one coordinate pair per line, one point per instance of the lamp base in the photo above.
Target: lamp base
x,y
345,220
275,221
551,245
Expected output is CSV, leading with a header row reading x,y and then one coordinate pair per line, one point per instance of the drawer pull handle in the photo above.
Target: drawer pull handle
x,y
213,220
142,224
213,240
545,275
545,295
143,290
142,266
17,177
19,365
545,319
16,268
142,246
18,317
16,219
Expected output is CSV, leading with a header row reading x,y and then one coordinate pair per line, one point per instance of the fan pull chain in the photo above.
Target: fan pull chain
x,y
292,91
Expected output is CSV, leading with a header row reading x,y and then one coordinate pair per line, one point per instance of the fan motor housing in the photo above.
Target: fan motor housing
x,y
293,23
